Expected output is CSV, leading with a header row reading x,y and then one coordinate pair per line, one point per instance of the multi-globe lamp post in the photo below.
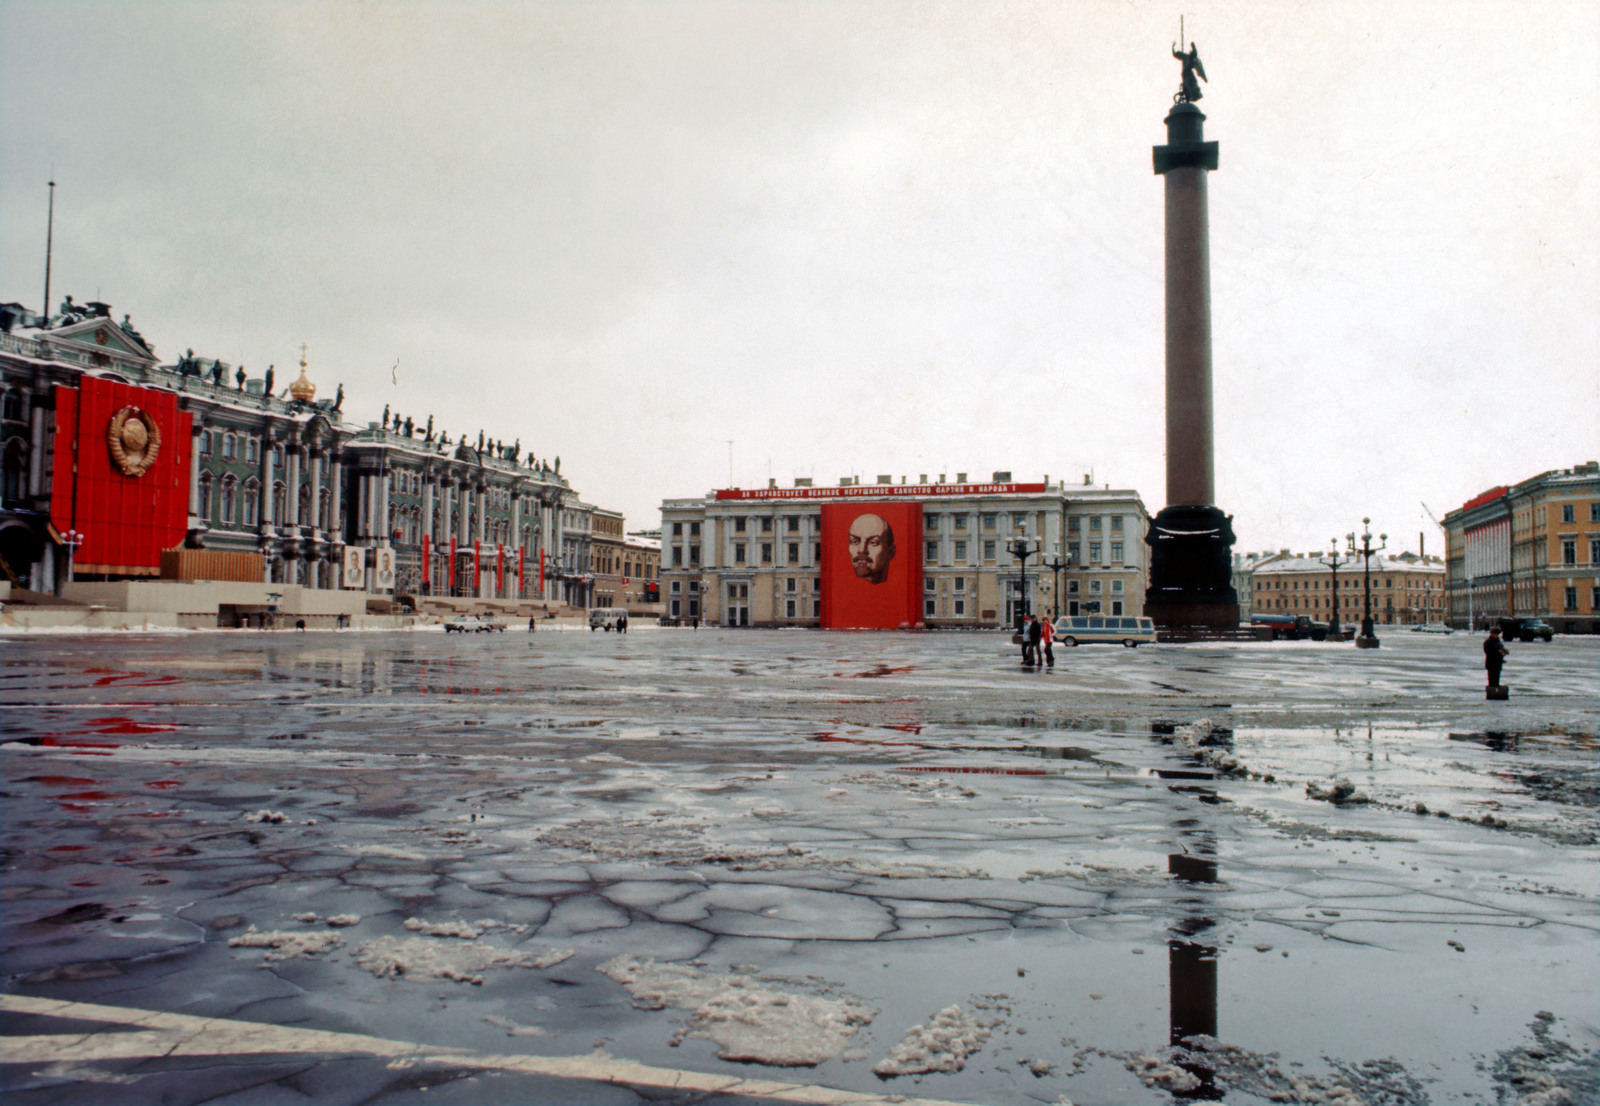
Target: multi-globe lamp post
x,y
1022,550
1367,639
1056,563
71,539
1336,631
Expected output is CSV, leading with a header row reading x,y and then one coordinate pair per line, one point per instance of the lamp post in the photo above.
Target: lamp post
x,y
1056,563
1021,551
71,539
1333,562
1367,639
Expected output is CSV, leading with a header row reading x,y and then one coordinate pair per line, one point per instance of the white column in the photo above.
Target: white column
x,y
516,543
196,428
335,501
383,505
267,477
316,520
483,513
291,498
37,452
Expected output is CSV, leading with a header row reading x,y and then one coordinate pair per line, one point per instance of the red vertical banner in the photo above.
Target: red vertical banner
x,y
541,573
500,569
521,582
427,566
452,564
121,474
871,565
477,567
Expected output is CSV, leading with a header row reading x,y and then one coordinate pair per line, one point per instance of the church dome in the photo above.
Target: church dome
x,y
302,389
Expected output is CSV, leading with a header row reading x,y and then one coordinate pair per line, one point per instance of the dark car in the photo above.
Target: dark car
x,y
1526,629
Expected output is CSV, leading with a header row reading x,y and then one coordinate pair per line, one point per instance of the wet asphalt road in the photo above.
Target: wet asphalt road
x,y
1091,863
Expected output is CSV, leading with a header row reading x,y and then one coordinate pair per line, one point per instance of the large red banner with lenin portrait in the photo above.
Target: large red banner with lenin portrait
x,y
871,565
121,475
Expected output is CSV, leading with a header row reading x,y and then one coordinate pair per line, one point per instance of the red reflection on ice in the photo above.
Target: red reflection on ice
x,y
66,781
139,679
124,725
67,848
162,785
86,796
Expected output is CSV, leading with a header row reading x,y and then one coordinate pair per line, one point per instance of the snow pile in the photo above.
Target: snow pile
x,y
1549,1072
342,920
284,945
943,1045
1340,792
275,817
1261,1075
747,1019
514,1029
1159,1071
389,852
467,931
420,957
553,957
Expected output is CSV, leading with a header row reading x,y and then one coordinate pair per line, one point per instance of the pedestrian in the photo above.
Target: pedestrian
x,y
1022,638
532,623
1035,634
1046,636
622,623
1494,655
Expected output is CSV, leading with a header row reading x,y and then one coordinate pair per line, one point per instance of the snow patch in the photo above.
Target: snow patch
x,y
420,957
747,1019
943,1045
275,817
284,945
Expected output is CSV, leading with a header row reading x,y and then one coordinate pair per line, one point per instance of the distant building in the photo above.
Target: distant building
x,y
1407,588
1529,550
935,553
627,569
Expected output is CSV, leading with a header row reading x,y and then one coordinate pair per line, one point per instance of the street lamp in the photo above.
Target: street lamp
x,y
1056,563
71,539
1021,551
1334,629
1367,639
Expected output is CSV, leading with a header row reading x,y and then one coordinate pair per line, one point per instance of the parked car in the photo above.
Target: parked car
x,y
1130,632
1526,629
472,623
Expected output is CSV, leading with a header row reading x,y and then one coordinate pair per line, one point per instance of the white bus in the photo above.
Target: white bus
x,y
1104,630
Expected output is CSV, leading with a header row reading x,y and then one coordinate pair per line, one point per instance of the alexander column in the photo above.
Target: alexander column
x,y
1190,539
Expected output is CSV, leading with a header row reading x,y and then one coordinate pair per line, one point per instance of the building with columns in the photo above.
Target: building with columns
x,y
231,463
754,557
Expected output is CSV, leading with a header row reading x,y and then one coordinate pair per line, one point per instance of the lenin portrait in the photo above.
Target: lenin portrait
x,y
871,547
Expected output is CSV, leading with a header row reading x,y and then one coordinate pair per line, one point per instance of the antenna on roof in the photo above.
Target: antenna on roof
x,y
49,242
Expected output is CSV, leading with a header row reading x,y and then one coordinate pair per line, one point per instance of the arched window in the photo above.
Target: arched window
x,y
252,502
205,496
230,445
11,411
305,504
322,507
225,513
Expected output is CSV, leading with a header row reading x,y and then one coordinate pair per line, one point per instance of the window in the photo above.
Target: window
x,y
1019,520
1572,599
931,554
1594,512
225,513
1568,512
1594,599
1594,551
766,550
1116,587
988,521
677,586
205,444
252,502
816,553
988,550
960,584
928,608
277,456
13,407
790,584
677,557
961,522
738,526
929,584
1116,524
694,555
677,529
960,607
961,551
794,552
1094,587
1072,524
1094,552
793,524
738,554
675,611
1075,552
1116,551
930,520
1072,587
694,529
1094,524
1569,551
816,608
788,608
230,445
205,494
766,526
1116,606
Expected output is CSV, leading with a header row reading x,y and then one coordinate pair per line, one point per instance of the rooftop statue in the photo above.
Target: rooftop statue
x,y
338,399
239,378
1190,92
266,386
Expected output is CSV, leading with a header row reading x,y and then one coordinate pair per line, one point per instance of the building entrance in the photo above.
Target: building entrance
x,y
738,604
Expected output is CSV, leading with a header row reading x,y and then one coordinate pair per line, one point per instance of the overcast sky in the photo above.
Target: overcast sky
x,y
851,238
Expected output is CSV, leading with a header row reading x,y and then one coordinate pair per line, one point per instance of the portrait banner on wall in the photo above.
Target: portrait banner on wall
x,y
383,567
355,563
871,565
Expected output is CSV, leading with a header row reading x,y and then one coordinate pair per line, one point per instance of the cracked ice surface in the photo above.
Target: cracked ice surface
x,y
1120,861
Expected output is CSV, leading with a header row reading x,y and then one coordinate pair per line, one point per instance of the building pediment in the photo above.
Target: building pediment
x,y
99,335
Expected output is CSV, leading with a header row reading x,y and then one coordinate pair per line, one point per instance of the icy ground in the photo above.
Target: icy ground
x,y
746,866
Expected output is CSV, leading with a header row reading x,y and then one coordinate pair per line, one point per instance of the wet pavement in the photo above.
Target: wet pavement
x,y
749,866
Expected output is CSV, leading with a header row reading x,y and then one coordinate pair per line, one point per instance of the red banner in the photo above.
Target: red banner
x,y
871,565
427,565
500,569
881,491
477,567
121,476
541,573
521,583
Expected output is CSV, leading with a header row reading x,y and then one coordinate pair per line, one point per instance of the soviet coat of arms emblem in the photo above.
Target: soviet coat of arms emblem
x,y
135,440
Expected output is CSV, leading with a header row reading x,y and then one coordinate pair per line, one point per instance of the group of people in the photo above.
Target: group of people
x,y
1037,634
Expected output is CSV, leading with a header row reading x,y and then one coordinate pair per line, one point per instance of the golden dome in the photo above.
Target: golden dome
x,y
303,389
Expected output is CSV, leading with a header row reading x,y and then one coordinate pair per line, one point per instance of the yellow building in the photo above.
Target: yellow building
x,y
1407,589
1529,550
627,568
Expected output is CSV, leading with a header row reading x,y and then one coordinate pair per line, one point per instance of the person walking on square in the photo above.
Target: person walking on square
x,y
1494,655
1047,634
1035,634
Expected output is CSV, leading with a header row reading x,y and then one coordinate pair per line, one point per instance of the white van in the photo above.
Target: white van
x,y
606,618
1104,630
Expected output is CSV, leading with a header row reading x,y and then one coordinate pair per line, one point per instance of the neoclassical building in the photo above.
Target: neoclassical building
x,y
265,469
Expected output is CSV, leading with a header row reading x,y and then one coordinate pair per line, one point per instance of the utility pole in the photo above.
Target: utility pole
x,y
49,243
